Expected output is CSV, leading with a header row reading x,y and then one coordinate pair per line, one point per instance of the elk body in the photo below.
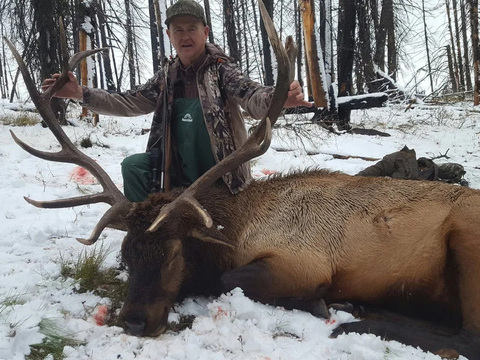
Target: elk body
x,y
313,235
292,240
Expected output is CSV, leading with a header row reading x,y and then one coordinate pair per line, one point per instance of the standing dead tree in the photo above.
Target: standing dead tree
x,y
329,107
476,50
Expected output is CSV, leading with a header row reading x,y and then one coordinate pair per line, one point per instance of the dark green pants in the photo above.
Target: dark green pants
x,y
137,176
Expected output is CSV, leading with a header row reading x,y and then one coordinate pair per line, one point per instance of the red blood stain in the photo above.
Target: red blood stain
x,y
100,315
82,176
268,172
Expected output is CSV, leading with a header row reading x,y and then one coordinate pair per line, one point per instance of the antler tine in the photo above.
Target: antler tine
x,y
110,216
69,152
257,143
31,88
78,57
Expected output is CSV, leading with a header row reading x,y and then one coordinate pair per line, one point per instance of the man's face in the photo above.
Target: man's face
x,y
188,36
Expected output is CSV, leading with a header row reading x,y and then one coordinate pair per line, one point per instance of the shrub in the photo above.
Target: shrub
x,y
20,119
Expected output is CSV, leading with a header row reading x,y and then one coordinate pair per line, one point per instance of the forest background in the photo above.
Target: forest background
x,y
409,49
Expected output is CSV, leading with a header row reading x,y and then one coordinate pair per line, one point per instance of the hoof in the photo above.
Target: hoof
x,y
346,306
320,309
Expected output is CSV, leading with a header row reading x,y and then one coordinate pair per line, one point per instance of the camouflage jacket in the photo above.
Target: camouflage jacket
x,y
222,89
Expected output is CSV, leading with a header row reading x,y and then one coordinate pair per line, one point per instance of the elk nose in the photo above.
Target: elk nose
x,y
135,328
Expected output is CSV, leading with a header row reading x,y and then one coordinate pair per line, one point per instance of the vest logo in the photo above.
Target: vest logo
x,y
187,118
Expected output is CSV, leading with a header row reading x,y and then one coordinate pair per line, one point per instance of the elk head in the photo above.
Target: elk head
x,y
158,228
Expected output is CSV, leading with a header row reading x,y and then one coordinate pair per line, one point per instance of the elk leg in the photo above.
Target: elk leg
x,y
466,251
259,283
427,335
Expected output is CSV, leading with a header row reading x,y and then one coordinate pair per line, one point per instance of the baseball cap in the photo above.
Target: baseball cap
x,y
185,8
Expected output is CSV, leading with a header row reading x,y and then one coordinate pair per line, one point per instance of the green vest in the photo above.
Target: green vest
x,y
191,138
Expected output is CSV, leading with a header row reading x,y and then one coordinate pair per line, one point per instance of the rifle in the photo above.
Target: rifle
x,y
157,155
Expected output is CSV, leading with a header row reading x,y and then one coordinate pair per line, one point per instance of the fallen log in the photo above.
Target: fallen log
x,y
356,102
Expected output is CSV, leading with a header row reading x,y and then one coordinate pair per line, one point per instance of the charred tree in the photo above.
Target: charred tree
x,y
206,5
230,29
130,44
86,33
154,36
391,42
366,68
459,48
299,40
456,84
244,21
326,39
104,55
427,46
476,51
45,21
253,59
345,55
380,36
451,70
238,32
463,15
267,54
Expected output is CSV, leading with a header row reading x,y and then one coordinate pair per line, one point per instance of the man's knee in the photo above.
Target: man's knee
x,y
137,176
136,162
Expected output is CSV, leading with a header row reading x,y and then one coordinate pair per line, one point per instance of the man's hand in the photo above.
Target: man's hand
x,y
295,96
71,90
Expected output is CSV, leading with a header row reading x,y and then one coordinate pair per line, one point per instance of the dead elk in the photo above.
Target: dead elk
x,y
293,240
313,235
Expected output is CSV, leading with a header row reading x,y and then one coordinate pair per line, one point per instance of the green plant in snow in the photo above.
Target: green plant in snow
x,y
53,343
92,276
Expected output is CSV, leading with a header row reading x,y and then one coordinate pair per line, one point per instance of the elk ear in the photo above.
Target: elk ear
x,y
211,235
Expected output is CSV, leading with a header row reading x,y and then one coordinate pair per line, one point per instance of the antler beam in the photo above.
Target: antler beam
x,y
69,152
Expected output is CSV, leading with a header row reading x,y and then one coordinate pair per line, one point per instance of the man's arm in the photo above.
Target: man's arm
x,y
254,97
139,101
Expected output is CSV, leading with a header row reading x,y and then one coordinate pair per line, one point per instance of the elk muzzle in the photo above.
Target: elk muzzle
x,y
145,321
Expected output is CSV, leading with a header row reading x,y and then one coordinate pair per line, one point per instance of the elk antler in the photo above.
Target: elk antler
x,y
257,143
69,152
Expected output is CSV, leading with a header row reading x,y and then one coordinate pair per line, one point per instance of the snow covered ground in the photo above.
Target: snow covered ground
x,y
33,241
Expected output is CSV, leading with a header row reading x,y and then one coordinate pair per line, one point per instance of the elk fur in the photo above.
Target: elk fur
x,y
321,234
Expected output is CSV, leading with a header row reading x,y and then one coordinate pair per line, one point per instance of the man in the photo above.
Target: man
x,y
196,100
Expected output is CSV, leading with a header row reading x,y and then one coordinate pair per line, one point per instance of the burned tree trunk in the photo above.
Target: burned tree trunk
x,y
130,44
45,15
427,47
451,69
267,54
476,51
346,54
468,79
391,45
299,40
206,5
86,34
107,66
459,48
380,37
231,29
365,47
456,84
154,36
